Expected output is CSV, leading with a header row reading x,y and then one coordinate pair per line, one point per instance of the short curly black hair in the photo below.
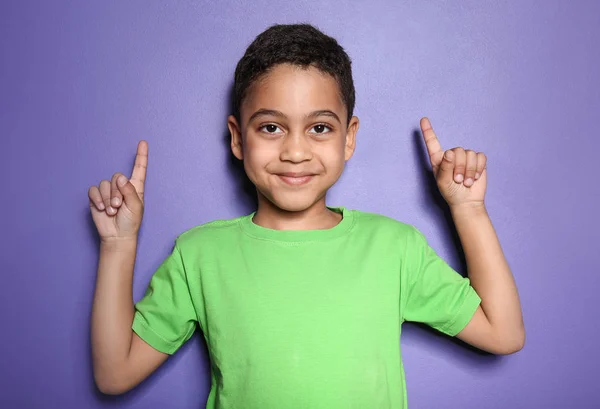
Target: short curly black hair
x,y
298,44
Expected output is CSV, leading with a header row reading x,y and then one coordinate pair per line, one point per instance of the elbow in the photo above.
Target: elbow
x,y
512,344
110,384
110,390
510,349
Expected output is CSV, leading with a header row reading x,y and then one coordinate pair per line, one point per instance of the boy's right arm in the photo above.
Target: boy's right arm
x,y
121,359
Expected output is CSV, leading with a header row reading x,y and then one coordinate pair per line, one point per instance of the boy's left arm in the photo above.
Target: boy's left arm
x,y
497,325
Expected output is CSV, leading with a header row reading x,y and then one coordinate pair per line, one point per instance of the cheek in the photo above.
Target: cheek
x,y
332,154
250,148
258,155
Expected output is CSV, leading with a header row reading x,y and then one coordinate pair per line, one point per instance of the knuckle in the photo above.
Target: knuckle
x,y
115,176
105,194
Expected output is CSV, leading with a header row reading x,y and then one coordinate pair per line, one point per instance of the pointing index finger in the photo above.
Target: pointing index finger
x,y
138,174
434,148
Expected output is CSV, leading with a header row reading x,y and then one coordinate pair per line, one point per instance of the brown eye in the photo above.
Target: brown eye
x,y
320,129
271,129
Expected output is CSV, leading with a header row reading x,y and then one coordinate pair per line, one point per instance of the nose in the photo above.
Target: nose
x,y
296,148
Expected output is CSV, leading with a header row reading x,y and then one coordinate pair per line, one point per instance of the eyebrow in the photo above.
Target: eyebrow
x,y
273,112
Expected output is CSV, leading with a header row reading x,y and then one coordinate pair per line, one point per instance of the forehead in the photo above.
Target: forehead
x,y
294,91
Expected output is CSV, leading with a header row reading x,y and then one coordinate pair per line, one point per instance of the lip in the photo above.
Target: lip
x,y
295,179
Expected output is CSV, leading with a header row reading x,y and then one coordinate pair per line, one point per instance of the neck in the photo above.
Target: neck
x,y
315,217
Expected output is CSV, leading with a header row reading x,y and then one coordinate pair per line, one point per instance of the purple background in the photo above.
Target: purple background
x,y
80,84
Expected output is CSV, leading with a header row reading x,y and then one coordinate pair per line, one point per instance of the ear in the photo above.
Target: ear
x,y
236,137
351,137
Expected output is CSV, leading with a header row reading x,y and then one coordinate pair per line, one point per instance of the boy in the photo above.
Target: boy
x,y
301,304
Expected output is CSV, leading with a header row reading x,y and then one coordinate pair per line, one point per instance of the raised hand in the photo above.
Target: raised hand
x,y
460,174
117,206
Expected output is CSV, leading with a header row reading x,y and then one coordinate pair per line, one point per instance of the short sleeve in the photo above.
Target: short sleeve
x,y
434,293
165,317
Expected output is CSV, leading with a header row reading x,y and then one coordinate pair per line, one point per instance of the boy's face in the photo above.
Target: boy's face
x,y
293,136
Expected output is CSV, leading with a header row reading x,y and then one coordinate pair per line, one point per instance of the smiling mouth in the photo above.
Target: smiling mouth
x,y
295,179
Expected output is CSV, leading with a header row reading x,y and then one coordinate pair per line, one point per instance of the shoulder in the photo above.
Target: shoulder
x,y
388,228
211,232
368,220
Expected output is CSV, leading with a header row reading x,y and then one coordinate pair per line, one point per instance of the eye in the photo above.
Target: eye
x,y
270,129
321,129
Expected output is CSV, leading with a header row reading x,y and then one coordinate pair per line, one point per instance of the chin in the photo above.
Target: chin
x,y
294,205
294,202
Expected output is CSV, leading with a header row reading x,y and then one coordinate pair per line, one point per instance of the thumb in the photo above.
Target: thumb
x,y
446,171
130,196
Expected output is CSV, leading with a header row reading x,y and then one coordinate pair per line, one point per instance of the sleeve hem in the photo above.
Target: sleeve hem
x,y
464,314
152,338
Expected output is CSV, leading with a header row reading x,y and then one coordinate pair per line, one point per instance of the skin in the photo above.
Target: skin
x,y
461,175
294,137
294,122
120,358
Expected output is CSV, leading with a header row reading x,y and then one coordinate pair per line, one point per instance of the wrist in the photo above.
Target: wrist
x,y
118,244
471,209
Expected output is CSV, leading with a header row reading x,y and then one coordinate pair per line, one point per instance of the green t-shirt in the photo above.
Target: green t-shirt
x,y
303,319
